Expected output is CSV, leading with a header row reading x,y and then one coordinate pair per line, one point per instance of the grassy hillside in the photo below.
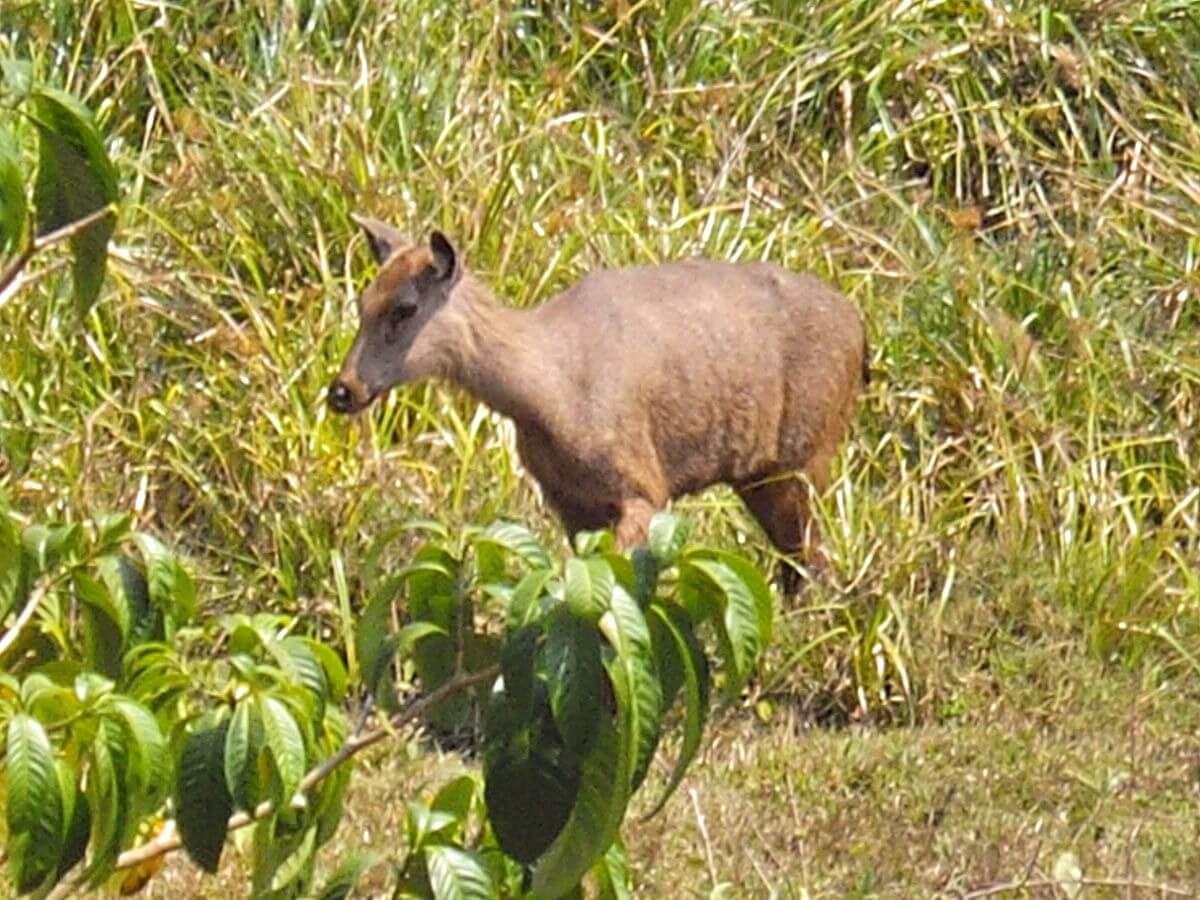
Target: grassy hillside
x,y
1010,191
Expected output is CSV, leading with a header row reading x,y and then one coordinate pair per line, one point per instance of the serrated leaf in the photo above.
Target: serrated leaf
x,y
666,536
285,742
34,813
75,178
574,679
13,204
202,801
456,874
633,666
596,816
672,635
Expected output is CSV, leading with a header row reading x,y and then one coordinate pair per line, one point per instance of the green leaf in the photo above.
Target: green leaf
x,y
348,873
575,680
517,657
673,638
243,743
335,669
596,816
147,749
47,546
35,809
18,76
421,823
285,742
634,678
283,859
104,638
127,584
523,607
75,177
587,585
612,874
756,583
456,874
13,204
455,797
76,815
517,540
528,800
202,801
739,623
666,536
302,667
13,587
329,801
109,800
171,587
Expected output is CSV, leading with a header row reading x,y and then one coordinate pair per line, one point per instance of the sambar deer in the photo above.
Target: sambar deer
x,y
635,385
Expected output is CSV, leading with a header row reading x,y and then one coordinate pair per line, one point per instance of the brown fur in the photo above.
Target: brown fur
x,y
635,385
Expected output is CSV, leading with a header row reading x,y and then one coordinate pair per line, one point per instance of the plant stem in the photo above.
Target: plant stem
x,y
168,840
38,244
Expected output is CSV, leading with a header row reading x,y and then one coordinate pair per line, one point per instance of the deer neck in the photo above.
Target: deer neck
x,y
495,353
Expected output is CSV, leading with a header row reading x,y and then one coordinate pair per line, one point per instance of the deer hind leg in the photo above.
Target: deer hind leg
x,y
782,506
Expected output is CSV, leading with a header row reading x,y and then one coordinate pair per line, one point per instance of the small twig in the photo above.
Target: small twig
x,y
38,244
27,613
168,840
997,889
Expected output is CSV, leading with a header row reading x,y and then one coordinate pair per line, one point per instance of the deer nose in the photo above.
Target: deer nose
x,y
341,399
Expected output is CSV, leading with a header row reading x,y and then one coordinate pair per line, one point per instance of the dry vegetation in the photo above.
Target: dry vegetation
x,y
1003,666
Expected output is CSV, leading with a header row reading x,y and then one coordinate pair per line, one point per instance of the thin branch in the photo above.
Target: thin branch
x,y
168,840
38,244
27,612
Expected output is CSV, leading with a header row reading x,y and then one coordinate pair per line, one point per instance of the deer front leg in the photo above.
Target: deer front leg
x,y
633,523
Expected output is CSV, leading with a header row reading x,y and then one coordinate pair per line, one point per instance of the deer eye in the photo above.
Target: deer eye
x,y
396,317
400,312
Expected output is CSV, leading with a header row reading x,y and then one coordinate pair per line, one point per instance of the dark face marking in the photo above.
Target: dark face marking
x,y
411,286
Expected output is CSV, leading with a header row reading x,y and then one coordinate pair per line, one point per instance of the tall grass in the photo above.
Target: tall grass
x,y
1009,191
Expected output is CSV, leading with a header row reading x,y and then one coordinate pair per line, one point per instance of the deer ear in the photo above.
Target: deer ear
x,y
446,264
382,239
